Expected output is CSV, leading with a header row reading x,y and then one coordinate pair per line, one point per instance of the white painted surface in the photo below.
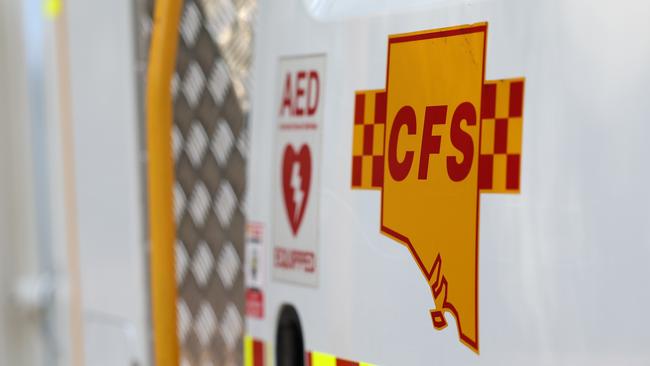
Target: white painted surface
x,y
109,197
21,340
563,265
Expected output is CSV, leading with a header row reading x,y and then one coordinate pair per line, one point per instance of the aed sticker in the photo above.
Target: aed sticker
x,y
299,123
254,270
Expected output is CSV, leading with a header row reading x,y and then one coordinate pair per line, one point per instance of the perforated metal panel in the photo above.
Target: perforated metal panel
x,y
209,141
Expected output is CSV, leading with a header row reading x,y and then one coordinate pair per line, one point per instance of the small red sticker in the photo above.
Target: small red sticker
x,y
254,303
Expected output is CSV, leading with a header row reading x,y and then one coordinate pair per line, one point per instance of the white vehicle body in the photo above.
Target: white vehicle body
x,y
563,265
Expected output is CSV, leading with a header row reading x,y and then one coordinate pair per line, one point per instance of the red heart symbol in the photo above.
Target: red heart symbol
x,y
296,176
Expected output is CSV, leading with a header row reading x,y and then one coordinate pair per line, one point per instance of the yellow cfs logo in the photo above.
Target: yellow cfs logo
x,y
432,140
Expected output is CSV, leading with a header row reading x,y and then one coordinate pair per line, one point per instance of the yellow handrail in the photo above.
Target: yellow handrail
x,y
162,230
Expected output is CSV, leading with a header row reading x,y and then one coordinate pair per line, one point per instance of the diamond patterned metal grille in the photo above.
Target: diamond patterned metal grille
x,y
209,144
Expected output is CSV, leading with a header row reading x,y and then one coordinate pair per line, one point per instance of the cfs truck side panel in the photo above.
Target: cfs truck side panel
x,y
555,266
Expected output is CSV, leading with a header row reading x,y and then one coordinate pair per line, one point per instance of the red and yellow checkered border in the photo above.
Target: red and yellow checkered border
x,y
502,110
368,139
499,160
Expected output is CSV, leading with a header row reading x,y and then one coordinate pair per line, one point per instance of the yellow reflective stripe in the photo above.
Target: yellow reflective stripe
x,y
317,358
322,359
248,351
269,353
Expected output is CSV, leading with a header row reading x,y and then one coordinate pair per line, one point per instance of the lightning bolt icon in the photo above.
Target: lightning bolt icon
x,y
298,193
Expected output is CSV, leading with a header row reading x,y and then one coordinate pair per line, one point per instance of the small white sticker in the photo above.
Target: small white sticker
x,y
254,270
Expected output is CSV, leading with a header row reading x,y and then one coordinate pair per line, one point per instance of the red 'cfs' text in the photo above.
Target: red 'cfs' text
x,y
405,122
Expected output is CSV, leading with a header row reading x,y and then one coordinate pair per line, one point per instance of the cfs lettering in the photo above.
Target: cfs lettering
x,y
405,123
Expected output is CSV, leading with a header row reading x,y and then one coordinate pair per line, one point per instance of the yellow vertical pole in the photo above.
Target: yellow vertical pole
x,y
160,179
